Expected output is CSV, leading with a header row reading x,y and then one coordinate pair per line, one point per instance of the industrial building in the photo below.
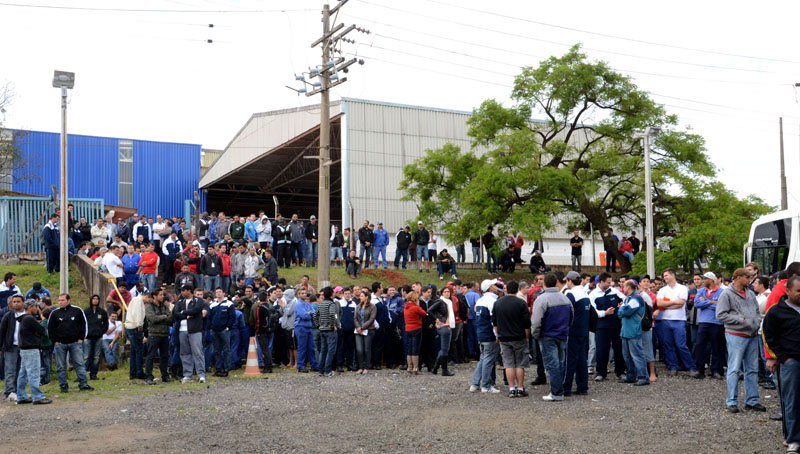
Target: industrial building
x,y
150,177
371,142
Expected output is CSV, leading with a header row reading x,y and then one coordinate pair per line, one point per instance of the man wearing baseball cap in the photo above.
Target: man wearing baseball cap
x,y
484,376
381,237
710,331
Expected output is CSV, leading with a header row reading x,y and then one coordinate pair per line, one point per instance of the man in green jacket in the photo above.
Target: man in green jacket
x,y
159,319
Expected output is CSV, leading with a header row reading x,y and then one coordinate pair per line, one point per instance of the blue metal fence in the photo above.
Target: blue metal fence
x,y
22,219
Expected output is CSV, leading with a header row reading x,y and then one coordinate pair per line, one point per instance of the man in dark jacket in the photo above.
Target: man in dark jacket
x,y
52,240
327,317
237,229
311,234
403,239
187,278
30,341
578,337
67,329
512,321
266,324
365,238
488,242
96,326
421,238
221,317
270,267
158,320
210,268
188,313
9,346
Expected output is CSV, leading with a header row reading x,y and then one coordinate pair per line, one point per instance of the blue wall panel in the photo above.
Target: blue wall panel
x,y
93,165
164,176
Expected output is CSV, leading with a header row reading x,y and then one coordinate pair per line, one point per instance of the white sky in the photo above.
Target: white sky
x,y
152,76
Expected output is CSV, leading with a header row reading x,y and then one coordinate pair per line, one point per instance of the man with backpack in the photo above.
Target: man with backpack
x,y
632,313
266,323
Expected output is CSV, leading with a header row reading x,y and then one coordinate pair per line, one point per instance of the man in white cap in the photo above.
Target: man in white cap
x,y
710,331
484,377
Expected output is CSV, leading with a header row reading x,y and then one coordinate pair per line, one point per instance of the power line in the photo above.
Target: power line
x,y
459,76
607,35
560,43
138,10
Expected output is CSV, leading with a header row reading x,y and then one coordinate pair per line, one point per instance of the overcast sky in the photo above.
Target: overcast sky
x,y
726,68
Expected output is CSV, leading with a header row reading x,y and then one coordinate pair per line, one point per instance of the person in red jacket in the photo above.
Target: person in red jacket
x,y
516,240
148,265
413,315
225,277
777,293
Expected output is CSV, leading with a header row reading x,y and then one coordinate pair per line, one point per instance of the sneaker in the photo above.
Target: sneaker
x,y
44,401
86,388
599,378
474,389
330,374
733,409
12,397
793,447
441,277
551,398
64,389
186,380
149,382
512,393
490,390
23,401
522,393
454,276
756,407
642,383
202,379
768,385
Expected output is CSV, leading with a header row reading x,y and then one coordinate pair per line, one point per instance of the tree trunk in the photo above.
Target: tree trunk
x,y
597,216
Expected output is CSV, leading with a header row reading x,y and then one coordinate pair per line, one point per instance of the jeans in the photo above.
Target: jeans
x,y
485,367
592,358
713,336
554,352
445,334
158,344
110,353
317,345
328,351
29,373
222,349
364,349
422,252
380,251
576,365
742,355
192,356
634,358
789,378
312,253
297,253
446,267
75,351
576,263
225,283
629,256
91,355
11,363
473,349
672,334
149,281
461,254
476,254
46,360
400,253
136,361
353,268
336,252
210,284
305,348
605,338
647,346
491,262
346,349
364,254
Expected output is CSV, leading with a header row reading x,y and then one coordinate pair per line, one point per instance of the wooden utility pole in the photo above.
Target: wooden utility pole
x,y
784,200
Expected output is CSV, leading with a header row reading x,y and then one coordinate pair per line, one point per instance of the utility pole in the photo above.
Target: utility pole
x,y
328,74
784,200
648,200
64,81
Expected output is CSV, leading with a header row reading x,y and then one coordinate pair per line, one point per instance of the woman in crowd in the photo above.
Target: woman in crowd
x,y
442,310
287,323
413,315
364,319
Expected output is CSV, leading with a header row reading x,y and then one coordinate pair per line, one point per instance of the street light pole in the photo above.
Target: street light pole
x,y
64,81
648,200
324,203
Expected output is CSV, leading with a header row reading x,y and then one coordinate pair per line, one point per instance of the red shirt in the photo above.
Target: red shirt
x,y
774,297
226,264
126,296
148,262
413,315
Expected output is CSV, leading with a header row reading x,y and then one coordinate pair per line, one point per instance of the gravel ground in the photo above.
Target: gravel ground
x,y
390,412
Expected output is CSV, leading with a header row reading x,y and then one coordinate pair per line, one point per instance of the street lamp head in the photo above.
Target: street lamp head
x,y
63,79
653,131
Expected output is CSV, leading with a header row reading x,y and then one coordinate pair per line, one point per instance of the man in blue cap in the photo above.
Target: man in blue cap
x,y
380,243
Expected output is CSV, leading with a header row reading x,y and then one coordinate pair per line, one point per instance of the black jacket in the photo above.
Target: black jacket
x,y
7,327
312,231
266,318
781,330
192,312
403,239
511,318
210,265
67,325
96,322
271,270
488,240
365,235
438,309
421,237
30,333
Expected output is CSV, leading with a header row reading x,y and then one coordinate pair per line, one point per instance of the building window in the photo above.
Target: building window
x,y
125,173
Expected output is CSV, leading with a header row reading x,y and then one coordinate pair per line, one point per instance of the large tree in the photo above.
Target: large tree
x,y
581,162
14,167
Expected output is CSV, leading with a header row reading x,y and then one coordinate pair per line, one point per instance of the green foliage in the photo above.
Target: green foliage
x,y
582,162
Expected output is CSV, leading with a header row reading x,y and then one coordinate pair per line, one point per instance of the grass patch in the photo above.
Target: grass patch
x,y
28,274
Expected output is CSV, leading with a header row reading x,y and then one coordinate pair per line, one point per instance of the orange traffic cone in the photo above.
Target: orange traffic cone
x,y
251,369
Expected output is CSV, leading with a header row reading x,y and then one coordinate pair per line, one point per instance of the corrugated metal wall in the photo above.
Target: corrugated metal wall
x,y
164,174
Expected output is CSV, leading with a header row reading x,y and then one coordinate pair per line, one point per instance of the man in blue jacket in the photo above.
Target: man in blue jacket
x,y
130,266
52,240
381,241
346,345
550,325
578,342
605,299
710,331
221,318
631,312
397,329
303,313
472,295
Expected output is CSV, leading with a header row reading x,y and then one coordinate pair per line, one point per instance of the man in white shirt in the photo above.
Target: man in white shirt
x,y
113,263
671,324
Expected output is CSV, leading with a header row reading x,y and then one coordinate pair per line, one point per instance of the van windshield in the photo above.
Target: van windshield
x,y
771,245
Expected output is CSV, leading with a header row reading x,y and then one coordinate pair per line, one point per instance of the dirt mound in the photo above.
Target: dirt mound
x,y
390,277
